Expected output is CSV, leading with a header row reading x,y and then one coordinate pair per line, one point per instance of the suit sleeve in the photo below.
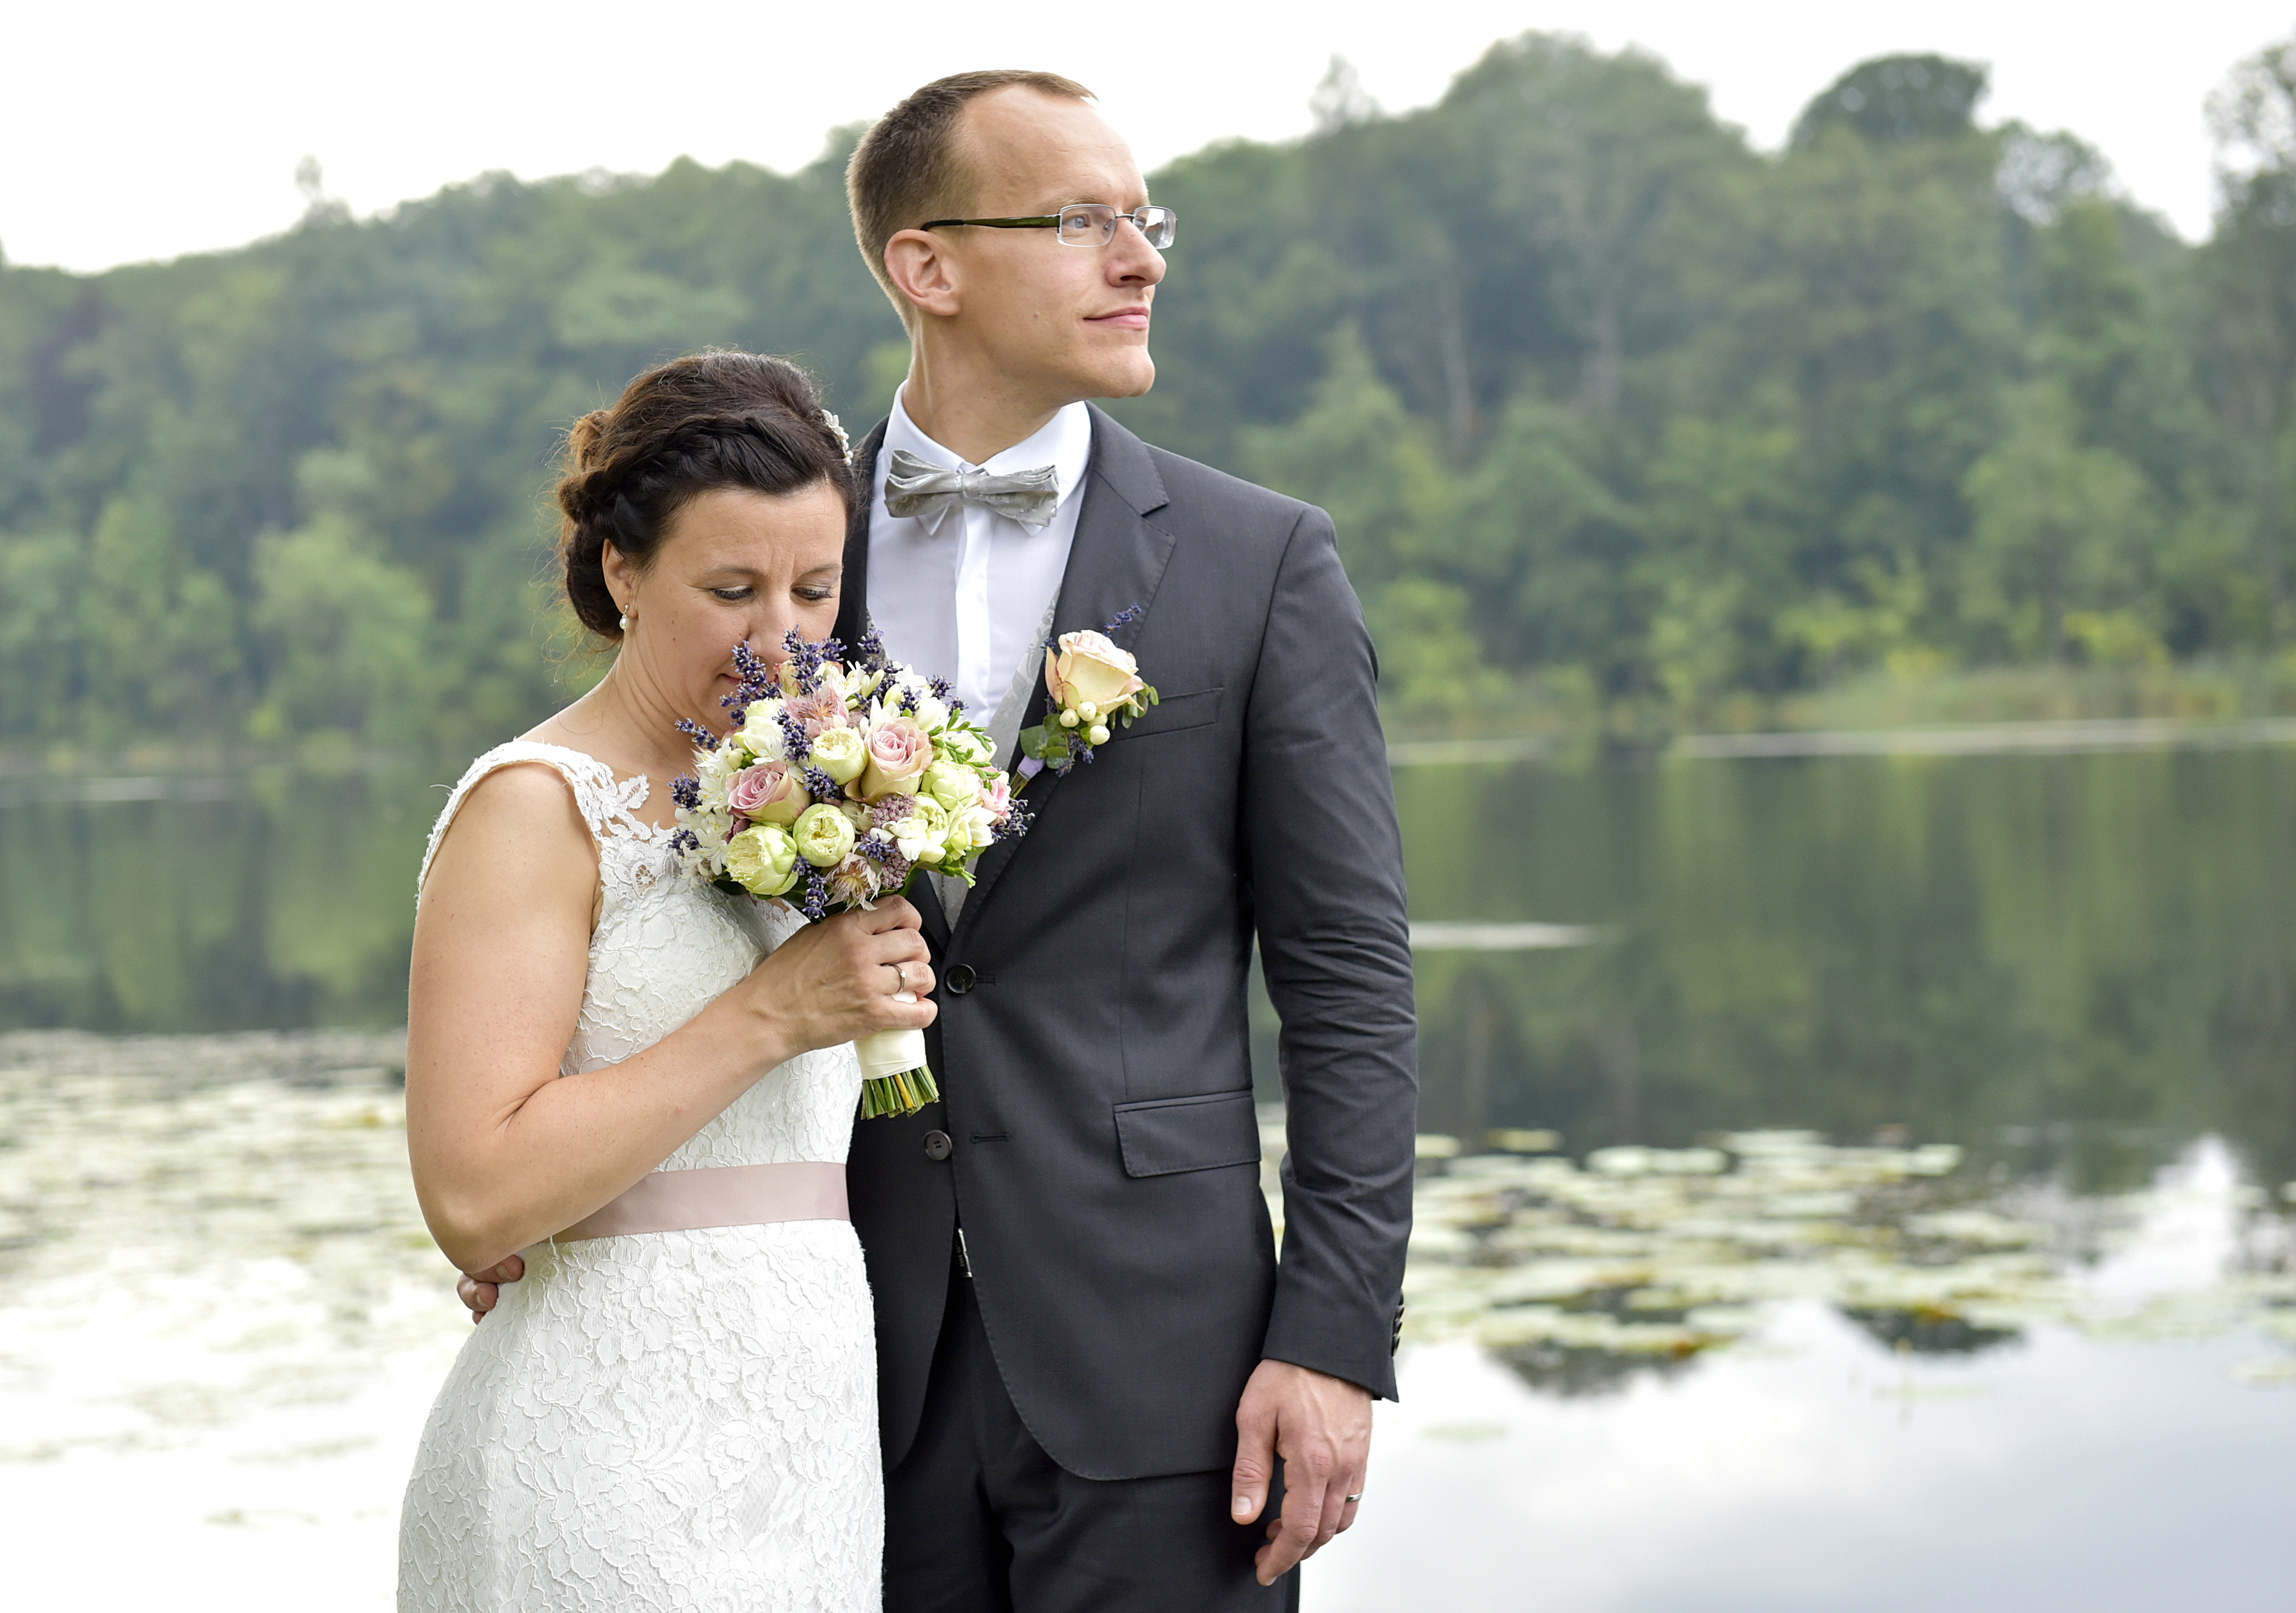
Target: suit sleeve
x,y
1324,862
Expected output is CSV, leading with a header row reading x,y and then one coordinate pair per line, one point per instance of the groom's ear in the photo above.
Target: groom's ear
x,y
918,264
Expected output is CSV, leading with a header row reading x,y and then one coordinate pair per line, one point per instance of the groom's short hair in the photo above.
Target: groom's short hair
x,y
908,168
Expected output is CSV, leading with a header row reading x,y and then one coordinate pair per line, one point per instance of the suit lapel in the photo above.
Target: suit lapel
x,y
853,621
853,587
1115,562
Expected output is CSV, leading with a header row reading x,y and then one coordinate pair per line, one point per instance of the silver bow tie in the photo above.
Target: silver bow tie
x,y
914,487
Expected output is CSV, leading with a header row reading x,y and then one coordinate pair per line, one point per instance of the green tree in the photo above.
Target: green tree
x,y
2056,559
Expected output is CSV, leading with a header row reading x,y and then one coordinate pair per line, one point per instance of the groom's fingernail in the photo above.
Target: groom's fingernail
x,y
1242,1506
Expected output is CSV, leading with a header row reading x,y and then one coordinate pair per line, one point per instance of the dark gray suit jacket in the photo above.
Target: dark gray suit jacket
x,y
1092,1046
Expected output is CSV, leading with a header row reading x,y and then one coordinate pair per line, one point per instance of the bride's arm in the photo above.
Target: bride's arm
x,y
506,1153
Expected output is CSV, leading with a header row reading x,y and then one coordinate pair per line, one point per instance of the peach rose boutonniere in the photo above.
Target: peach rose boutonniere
x,y
1093,686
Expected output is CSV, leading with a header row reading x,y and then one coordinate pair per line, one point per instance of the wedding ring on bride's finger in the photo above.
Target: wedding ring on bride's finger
x,y
1357,1496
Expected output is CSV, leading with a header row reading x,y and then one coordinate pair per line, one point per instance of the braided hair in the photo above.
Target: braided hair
x,y
723,418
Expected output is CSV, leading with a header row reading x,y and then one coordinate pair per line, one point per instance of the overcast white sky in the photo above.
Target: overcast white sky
x,y
135,130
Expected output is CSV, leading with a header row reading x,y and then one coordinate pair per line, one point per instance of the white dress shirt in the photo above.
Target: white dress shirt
x,y
961,598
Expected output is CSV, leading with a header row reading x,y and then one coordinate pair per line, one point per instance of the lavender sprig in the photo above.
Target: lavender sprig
x,y
794,739
694,731
808,659
815,902
1124,618
821,786
685,790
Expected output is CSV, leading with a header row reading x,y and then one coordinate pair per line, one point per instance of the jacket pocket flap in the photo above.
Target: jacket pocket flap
x,y
1167,1135
1174,712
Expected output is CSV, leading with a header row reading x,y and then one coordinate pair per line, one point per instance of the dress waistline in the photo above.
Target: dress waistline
x,y
720,1196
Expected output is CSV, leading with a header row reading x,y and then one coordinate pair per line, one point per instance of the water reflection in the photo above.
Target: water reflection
x,y
2074,964
2077,964
272,900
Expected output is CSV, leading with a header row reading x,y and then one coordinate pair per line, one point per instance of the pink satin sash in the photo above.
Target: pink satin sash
x,y
720,1196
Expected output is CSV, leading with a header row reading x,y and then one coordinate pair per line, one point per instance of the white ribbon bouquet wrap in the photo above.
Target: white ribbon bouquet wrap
x,y
843,778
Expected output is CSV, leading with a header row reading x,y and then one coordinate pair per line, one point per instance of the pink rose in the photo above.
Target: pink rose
x,y
767,793
899,751
996,798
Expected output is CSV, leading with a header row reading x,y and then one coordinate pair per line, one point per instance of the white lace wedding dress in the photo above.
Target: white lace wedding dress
x,y
663,1420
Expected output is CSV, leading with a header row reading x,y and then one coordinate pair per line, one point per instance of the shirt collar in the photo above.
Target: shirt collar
x,y
1064,443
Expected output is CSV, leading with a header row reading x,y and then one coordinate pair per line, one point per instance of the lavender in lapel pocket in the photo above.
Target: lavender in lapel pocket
x,y
1094,685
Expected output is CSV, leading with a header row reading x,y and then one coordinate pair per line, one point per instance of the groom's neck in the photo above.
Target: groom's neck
x,y
973,409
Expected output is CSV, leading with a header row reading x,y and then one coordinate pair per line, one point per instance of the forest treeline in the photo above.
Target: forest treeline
x,y
1610,406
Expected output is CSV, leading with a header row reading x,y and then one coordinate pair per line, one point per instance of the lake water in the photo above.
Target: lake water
x,y
1846,1182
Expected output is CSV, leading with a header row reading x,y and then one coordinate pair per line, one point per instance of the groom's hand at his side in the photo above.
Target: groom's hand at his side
x,y
480,1290
1319,1428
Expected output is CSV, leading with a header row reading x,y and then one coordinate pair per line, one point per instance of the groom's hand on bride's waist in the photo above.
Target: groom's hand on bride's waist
x,y
480,1290
1319,1428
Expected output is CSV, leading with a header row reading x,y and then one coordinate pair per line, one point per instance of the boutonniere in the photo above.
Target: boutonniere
x,y
1093,686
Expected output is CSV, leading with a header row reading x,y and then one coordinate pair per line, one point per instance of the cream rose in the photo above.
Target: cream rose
x,y
769,792
950,783
1088,668
840,753
824,836
899,750
763,860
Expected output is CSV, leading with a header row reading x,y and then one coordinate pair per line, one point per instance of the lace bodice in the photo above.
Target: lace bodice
x,y
664,948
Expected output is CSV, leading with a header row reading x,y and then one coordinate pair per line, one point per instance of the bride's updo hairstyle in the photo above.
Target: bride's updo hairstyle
x,y
723,418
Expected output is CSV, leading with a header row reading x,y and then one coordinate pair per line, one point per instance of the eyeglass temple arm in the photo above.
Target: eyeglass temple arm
x,y
1041,222
998,223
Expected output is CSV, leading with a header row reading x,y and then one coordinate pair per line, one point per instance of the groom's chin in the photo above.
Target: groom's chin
x,y
1128,379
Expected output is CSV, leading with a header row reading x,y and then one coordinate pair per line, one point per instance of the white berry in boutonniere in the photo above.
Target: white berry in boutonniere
x,y
1093,687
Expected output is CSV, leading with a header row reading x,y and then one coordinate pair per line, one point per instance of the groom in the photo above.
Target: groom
x,y
1098,1382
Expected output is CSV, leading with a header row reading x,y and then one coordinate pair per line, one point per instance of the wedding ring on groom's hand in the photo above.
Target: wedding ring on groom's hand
x,y
900,977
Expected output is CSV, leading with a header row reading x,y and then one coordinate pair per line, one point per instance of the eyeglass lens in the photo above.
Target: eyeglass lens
x,y
1093,224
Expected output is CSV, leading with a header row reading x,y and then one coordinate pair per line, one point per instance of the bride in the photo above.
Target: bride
x,y
646,1085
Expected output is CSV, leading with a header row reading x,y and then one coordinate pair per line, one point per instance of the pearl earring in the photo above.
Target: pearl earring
x,y
625,622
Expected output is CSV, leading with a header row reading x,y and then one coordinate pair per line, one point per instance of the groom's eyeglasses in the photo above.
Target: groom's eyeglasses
x,y
1084,223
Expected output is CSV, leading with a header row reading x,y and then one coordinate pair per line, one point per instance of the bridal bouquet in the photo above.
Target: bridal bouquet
x,y
843,778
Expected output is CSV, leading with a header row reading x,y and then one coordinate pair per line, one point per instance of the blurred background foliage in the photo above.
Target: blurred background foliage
x,y
1613,411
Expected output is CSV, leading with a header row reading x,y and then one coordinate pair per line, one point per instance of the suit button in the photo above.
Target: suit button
x,y
959,979
938,1145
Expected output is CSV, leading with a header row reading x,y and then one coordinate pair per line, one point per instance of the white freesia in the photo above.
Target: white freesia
x,y
761,732
971,829
714,782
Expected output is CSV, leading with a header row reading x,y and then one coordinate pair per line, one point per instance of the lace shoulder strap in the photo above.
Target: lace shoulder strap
x,y
608,805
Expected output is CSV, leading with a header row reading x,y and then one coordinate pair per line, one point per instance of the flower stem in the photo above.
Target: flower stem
x,y
898,1095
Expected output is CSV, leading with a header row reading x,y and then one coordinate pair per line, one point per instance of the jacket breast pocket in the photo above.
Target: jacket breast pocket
x,y
1167,1135
1175,712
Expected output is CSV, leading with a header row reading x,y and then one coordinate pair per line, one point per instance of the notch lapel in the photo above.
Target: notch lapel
x,y
853,584
853,621
1115,562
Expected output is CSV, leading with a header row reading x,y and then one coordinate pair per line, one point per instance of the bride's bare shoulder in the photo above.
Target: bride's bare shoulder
x,y
522,815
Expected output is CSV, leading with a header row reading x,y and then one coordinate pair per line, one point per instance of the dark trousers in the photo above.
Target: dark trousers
x,y
978,1519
